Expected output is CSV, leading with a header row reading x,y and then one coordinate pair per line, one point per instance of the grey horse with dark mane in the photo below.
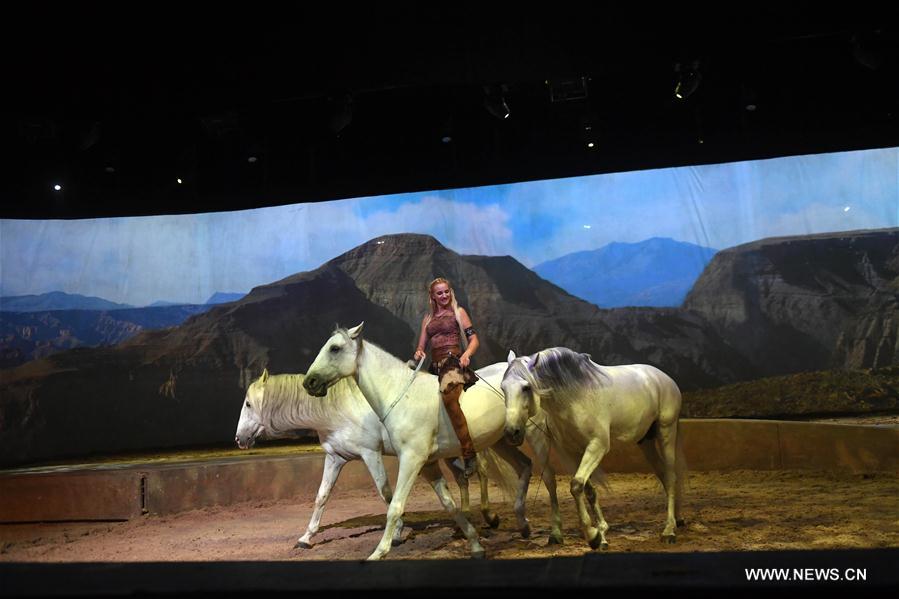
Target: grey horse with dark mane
x,y
587,408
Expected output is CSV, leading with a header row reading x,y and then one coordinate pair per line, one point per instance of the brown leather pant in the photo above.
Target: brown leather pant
x,y
453,380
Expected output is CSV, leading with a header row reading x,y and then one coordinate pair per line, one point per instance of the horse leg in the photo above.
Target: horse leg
x,y
433,475
595,510
522,465
462,482
596,450
590,497
668,435
490,517
375,464
549,479
651,451
537,440
409,469
333,465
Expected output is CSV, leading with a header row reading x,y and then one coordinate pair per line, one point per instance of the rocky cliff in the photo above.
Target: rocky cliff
x,y
806,303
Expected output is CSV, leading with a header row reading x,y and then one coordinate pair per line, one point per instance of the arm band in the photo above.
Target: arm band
x,y
469,332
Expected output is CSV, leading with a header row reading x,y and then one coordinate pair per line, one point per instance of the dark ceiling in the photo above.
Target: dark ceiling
x,y
115,108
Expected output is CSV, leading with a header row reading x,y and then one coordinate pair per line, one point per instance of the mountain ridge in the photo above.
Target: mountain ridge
x,y
655,272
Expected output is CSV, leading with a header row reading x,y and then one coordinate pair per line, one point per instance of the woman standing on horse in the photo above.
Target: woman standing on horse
x,y
445,326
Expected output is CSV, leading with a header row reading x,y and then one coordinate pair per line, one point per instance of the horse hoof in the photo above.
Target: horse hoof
x,y
526,532
302,545
478,554
397,542
493,522
681,523
596,541
553,540
669,539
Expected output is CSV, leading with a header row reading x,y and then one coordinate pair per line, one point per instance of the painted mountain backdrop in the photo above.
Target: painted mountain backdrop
x,y
56,300
656,272
772,307
220,297
37,326
26,336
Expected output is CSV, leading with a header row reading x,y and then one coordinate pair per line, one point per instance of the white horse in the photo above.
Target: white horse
x,y
348,429
420,431
586,407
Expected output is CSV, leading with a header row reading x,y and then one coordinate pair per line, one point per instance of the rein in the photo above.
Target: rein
x,y
403,392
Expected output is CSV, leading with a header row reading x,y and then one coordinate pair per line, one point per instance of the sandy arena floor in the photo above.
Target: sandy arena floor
x,y
733,511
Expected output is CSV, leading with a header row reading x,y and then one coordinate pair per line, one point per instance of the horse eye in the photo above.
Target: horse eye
x,y
334,349
248,404
525,388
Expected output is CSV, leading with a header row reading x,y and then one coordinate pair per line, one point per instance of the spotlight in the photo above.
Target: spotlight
x,y
109,169
748,98
342,114
252,159
589,130
57,187
495,101
688,79
446,132
180,181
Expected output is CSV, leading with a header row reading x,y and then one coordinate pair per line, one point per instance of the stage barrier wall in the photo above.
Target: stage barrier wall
x,y
129,491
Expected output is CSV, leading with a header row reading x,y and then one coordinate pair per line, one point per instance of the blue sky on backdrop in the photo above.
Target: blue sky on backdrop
x,y
187,258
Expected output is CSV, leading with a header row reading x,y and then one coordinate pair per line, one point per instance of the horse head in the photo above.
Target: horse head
x,y
335,360
520,396
250,426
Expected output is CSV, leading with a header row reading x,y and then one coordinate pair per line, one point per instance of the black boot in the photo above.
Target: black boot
x,y
471,466
468,466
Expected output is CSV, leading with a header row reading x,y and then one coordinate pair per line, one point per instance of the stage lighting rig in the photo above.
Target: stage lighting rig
x,y
688,79
567,90
495,101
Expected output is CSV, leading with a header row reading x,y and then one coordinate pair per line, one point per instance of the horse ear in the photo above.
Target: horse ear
x,y
356,330
510,357
264,376
589,358
533,362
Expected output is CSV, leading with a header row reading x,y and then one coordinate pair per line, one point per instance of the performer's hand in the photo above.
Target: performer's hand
x,y
464,360
419,355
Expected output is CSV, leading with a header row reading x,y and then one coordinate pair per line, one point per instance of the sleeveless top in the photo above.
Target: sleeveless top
x,y
443,331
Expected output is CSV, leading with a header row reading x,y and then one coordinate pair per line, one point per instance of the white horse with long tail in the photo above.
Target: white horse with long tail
x,y
587,406
421,432
348,429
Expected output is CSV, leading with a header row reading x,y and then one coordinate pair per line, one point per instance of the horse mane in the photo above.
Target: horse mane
x,y
285,399
559,369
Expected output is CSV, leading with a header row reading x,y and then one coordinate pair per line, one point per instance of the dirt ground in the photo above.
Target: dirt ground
x,y
733,511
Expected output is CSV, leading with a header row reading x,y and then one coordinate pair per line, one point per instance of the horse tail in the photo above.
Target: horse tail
x,y
501,472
